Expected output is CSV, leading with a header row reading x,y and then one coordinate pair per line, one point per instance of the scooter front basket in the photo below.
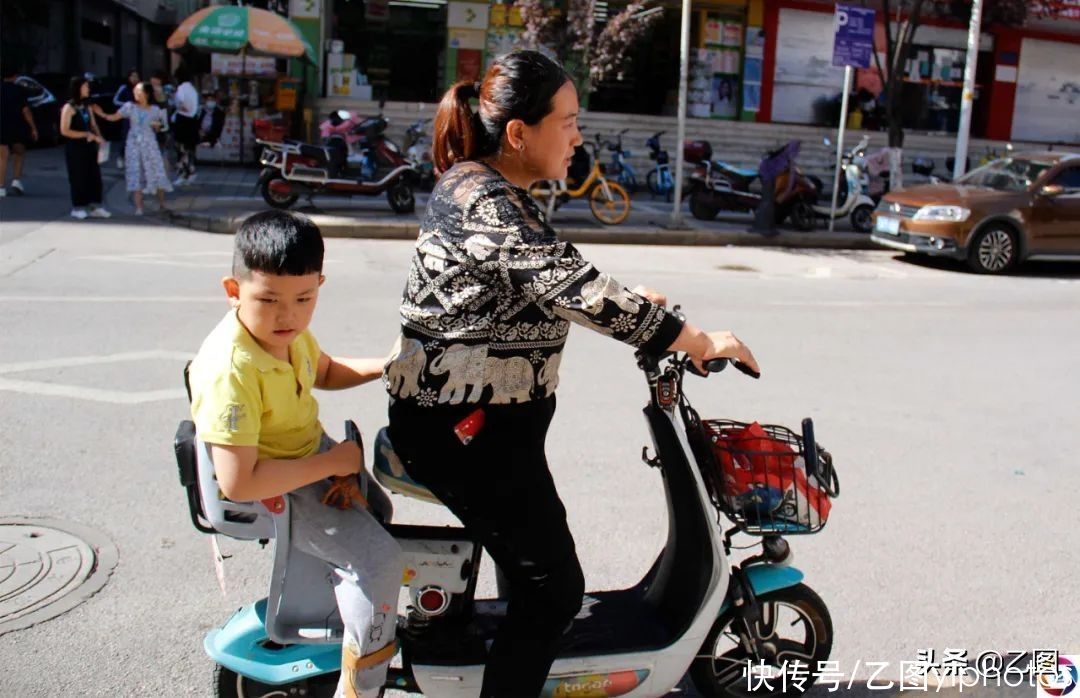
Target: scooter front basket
x,y
766,480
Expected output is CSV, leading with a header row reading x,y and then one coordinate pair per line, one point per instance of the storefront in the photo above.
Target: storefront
x,y
1022,90
390,49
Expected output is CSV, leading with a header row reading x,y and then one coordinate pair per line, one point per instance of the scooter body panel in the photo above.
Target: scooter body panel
x,y
241,645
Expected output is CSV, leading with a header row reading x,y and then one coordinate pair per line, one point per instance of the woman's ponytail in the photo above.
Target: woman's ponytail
x,y
459,135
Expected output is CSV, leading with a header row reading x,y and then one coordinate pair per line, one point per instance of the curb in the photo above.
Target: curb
x,y
389,229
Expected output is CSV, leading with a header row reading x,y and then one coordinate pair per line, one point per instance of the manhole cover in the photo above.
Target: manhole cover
x,y
48,567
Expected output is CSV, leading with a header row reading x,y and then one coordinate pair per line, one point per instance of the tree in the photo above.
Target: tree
x,y
909,14
591,54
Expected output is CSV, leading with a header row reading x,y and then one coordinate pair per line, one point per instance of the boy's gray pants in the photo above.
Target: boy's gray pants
x,y
366,564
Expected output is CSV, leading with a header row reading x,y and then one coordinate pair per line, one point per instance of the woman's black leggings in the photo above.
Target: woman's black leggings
x,y
500,487
84,174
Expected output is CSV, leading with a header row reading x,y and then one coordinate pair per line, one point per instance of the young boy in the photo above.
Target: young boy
x,y
251,402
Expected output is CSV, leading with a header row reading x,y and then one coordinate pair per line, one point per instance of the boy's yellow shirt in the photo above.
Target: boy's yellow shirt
x,y
243,396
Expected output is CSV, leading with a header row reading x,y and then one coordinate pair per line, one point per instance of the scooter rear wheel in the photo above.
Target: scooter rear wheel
x,y
700,209
802,216
229,684
720,667
401,198
275,199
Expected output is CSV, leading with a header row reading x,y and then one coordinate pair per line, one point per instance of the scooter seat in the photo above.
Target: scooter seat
x,y
743,172
316,152
390,473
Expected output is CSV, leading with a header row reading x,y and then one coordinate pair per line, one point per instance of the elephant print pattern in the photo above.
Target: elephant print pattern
x,y
490,296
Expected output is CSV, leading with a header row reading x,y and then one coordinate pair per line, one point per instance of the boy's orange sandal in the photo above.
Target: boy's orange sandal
x,y
344,493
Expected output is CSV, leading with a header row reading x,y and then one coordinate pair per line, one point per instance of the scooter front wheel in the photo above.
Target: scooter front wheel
x,y
862,218
275,190
793,636
229,684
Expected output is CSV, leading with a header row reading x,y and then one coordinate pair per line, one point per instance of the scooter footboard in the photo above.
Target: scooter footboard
x,y
242,646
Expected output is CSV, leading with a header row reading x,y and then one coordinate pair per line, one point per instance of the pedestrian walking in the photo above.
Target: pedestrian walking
x,y
79,127
125,94
185,126
17,130
145,172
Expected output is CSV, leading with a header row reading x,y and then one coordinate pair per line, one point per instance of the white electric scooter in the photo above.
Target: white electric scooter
x,y
851,200
727,624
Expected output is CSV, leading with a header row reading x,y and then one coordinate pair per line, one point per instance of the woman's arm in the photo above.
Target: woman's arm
x,y
115,116
553,274
512,239
66,131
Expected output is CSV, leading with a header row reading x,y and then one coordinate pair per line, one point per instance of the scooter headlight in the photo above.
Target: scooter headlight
x,y
950,214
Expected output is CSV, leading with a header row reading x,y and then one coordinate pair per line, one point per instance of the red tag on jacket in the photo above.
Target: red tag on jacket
x,y
467,429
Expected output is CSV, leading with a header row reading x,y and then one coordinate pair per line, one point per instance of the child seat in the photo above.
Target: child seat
x,y
301,606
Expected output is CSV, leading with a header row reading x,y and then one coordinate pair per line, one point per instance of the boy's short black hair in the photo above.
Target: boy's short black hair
x,y
279,243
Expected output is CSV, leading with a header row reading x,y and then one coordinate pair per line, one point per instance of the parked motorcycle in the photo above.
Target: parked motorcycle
x,y
292,169
418,153
850,199
718,186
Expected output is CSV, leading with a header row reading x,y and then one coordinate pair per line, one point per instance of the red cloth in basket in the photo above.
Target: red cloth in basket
x,y
764,473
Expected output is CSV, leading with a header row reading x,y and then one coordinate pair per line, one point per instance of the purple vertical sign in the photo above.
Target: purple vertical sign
x,y
854,41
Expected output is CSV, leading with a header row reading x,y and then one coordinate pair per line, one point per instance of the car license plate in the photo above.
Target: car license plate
x,y
889,226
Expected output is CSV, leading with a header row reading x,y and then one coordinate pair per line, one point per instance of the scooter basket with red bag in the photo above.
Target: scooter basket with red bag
x,y
767,480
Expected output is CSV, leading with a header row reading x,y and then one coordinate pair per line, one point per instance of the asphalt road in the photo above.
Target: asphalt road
x,y
948,400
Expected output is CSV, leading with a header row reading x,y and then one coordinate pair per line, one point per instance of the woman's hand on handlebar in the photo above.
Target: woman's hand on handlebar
x,y
650,295
701,346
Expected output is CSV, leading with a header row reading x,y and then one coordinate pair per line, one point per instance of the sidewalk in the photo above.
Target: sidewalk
x,y
221,197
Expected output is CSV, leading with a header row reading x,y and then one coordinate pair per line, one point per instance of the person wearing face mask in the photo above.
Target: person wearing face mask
x,y
212,121
485,315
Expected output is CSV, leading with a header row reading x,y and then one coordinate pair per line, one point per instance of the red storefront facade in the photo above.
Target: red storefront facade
x,y
1029,77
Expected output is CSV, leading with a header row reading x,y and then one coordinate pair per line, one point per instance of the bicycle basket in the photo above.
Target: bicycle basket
x,y
763,479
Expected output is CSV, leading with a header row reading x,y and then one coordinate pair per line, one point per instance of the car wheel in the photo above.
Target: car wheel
x,y
993,250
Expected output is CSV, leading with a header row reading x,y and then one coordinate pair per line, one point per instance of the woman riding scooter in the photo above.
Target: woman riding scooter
x,y
485,315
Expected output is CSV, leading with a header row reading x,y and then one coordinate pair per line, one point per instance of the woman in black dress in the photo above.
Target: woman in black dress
x,y
79,127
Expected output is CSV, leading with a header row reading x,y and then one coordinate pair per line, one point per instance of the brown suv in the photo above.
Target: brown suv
x,y
1025,206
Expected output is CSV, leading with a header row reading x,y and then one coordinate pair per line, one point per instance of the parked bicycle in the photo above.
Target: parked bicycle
x,y
659,179
620,168
608,200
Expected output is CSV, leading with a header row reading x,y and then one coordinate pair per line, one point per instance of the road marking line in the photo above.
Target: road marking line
x,y
866,304
73,361
115,397
110,299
